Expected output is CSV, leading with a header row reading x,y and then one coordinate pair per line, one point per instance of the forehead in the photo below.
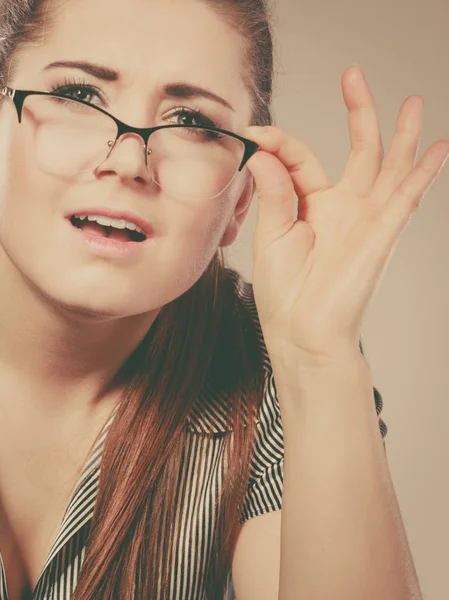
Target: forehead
x,y
148,42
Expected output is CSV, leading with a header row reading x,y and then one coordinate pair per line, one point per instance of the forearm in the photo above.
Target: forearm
x,y
342,534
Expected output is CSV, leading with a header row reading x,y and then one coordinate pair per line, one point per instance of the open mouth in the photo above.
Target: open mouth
x,y
107,230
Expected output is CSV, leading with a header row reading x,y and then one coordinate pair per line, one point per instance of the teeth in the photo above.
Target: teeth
x,y
107,222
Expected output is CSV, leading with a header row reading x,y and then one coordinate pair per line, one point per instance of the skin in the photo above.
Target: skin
x,y
69,318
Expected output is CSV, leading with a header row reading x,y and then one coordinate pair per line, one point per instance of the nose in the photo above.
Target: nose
x,y
127,159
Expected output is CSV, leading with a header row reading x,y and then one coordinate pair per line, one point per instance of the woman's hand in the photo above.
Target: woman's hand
x,y
313,277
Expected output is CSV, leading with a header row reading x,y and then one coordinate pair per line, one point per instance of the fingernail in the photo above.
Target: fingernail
x,y
359,67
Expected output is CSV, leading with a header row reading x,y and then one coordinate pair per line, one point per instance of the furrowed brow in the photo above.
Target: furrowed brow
x,y
187,90
98,71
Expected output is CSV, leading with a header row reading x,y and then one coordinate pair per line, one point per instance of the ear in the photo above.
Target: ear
x,y
239,214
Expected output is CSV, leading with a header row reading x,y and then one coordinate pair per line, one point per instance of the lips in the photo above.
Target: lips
x,y
144,225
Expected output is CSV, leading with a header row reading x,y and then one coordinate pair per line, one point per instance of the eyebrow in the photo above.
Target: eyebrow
x,y
180,89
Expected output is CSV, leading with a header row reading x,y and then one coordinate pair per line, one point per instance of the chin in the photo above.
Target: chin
x,y
84,304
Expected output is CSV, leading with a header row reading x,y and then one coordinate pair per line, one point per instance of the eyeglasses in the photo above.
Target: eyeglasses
x,y
73,136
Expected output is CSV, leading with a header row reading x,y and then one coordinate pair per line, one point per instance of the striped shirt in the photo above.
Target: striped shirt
x,y
202,476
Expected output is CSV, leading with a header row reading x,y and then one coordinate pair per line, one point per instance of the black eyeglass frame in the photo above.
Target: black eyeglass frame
x,y
18,97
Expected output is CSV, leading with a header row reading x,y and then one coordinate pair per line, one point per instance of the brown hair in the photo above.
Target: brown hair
x,y
131,539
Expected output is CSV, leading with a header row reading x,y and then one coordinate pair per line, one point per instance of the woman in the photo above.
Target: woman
x,y
127,343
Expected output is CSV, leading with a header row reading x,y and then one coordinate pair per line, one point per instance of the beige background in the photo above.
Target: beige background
x,y
403,47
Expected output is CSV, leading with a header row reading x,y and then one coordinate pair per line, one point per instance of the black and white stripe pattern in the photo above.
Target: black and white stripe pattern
x,y
202,476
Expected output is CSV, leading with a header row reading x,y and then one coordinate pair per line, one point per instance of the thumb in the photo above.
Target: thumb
x,y
277,202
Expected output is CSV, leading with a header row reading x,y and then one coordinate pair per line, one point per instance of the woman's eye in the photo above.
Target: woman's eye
x,y
78,92
188,115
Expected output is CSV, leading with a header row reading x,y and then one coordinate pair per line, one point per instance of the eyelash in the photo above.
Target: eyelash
x,y
67,84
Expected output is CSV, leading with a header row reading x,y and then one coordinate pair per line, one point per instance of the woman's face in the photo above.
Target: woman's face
x,y
149,43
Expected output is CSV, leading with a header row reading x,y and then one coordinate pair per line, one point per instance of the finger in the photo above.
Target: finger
x,y
276,197
366,155
284,166
298,158
404,148
410,192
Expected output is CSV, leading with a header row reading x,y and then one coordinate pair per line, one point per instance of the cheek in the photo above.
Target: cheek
x,y
14,205
24,206
193,236
204,227
207,220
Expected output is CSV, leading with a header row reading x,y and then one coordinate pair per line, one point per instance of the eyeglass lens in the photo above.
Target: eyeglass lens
x,y
71,138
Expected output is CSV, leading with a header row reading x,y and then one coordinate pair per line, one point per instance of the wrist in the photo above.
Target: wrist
x,y
300,380
290,357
